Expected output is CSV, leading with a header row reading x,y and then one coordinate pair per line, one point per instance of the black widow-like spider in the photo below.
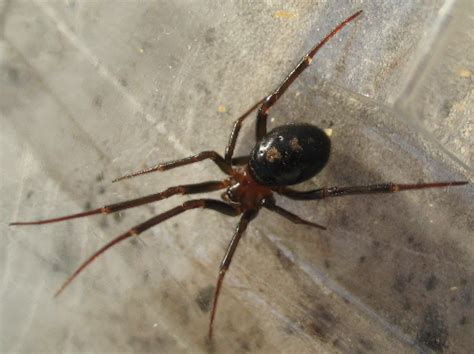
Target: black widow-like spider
x,y
285,156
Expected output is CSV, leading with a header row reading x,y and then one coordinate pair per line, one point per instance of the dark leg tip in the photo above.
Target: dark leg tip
x,y
460,183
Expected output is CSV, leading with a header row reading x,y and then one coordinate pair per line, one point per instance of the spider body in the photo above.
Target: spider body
x,y
285,156
289,154
245,191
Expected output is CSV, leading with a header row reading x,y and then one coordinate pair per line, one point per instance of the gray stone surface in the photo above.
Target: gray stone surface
x,y
91,90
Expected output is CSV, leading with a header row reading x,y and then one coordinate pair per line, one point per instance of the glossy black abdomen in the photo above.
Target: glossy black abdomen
x,y
289,154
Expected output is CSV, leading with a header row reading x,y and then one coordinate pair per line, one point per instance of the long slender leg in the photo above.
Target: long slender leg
x,y
229,150
303,64
370,189
241,226
184,189
290,216
216,205
214,156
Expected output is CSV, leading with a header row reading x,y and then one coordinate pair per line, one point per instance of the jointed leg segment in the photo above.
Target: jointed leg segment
x,y
270,205
214,156
300,67
369,189
216,205
184,189
229,150
242,225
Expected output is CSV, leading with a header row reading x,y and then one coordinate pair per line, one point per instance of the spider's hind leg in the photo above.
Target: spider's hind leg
x,y
246,217
216,205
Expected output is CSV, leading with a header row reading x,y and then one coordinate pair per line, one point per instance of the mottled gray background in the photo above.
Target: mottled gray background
x,y
93,89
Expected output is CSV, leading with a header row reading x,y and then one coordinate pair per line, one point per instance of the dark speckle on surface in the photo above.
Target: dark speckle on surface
x,y
317,330
245,346
322,322
55,267
376,244
146,276
284,260
204,297
406,305
12,74
118,216
466,296
87,206
327,264
433,332
123,82
98,100
431,283
210,35
399,283
366,344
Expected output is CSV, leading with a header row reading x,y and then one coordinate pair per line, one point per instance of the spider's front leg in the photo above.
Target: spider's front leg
x,y
300,67
112,208
164,166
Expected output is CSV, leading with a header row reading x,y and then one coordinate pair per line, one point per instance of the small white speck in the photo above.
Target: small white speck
x,y
155,325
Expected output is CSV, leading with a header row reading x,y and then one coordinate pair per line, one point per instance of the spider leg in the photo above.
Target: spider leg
x,y
214,156
270,205
216,205
229,150
303,64
241,226
240,160
369,189
184,189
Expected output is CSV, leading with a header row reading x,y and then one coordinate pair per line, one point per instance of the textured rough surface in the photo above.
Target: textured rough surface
x,y
91,90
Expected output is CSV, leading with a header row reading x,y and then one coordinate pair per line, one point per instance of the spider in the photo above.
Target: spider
x,y
285,156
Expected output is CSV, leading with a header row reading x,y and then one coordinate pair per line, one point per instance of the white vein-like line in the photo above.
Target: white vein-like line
x,y
25,162
105,73
331,286
23,338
